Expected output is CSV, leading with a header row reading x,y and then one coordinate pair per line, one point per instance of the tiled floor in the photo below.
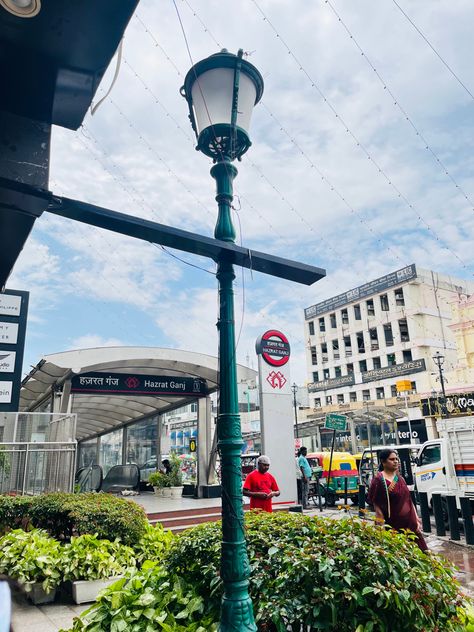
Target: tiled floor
x,y
47,618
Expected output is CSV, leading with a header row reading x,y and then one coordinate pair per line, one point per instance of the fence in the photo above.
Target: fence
x,y
37,453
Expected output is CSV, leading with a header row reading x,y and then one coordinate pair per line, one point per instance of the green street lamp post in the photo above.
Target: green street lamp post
x,y
221,92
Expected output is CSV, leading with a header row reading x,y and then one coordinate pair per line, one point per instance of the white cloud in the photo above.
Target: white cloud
x,y
91,341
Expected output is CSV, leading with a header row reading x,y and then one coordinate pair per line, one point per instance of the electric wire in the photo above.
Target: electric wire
x,y
358,142
397,103
443,61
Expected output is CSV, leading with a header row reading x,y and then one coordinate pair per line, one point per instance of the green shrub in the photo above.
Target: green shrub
x,y
87,557
176,475
157,479
65,515
31,557
147,601
14,512
320,574
153,544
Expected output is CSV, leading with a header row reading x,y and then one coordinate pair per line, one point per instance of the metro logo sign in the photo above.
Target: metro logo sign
x,y
274,348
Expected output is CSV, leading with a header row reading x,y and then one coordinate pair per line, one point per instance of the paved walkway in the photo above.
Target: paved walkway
x,y
57,616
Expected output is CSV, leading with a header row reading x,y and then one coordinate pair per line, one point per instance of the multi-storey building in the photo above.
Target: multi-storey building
x,y
361,342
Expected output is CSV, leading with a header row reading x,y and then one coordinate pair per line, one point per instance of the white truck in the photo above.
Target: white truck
x,y
446,465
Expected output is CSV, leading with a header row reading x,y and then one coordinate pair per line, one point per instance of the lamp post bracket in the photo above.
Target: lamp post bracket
x,y
186,241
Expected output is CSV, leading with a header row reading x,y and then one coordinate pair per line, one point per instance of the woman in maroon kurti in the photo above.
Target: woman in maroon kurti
x,y
391,498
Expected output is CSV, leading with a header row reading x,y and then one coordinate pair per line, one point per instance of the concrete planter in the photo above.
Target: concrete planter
x,y
176,492
159,491
166,492
38,596
84,591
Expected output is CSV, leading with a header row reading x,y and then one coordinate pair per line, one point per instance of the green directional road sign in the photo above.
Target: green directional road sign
x,y
335,422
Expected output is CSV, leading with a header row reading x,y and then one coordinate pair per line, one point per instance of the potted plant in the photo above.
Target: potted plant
x,y
157,480
175,477
91,565
33,558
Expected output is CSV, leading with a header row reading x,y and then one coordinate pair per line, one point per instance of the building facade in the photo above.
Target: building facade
x,y
361,342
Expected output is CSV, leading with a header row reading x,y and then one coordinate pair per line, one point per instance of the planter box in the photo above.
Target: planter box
x,y
84,591
166,492
158,491
176,492
38,596
189,489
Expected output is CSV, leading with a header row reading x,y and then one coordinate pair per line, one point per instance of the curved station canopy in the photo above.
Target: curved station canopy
x,y
109,387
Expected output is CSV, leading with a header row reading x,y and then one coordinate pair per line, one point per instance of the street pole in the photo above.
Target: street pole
x,y
439,359
408,417
294,388
236,612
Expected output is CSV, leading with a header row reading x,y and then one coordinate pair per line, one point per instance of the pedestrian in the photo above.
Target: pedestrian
x,y
390,497
260,486
299,476
165,467
306,473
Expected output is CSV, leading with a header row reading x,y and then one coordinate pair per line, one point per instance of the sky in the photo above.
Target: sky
x,y
361,163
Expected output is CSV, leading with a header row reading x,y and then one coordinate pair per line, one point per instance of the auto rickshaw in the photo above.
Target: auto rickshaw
x,y
343,467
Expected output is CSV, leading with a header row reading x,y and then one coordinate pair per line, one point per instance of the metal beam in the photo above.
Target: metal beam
x,y
185,241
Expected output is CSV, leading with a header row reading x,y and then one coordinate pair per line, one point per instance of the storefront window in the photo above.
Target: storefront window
x,y
141,441
110,450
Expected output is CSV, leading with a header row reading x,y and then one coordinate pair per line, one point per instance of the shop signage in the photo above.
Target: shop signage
x,y
8,333
274,347
334,421
332,382
13,312
363,291
192,445
7,361
459,404
406,368
136,384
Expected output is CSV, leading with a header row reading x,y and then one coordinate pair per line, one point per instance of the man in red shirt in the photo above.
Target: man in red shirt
x,y
260,486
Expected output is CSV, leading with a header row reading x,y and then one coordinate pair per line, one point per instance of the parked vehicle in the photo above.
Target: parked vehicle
x,y
343,467
446,465
369,464
249,463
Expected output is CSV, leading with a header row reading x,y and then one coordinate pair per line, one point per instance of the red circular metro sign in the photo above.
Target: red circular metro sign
x,y
274,347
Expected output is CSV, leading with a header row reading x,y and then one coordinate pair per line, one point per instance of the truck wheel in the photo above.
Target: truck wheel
x,y
330,498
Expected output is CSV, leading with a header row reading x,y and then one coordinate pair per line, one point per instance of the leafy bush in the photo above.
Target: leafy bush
x,y
14,512
153,544
319,574
31,557
147,601
157,479
87,557
175,476
65,515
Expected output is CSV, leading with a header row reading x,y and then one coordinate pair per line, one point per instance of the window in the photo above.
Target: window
x,y
374,339
350,368
335,349
340,398
413,387
384,302
357,314
377,363
324,351
311,327
365,395
403,326
360,342
314,357
407,357
362,365
337,371
347,346
352,397
322,324
332,318
387,330
379,392
329,400
370,307
399,298
315,376
391,360
326,374
344,317
393,390
317,402
431,454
